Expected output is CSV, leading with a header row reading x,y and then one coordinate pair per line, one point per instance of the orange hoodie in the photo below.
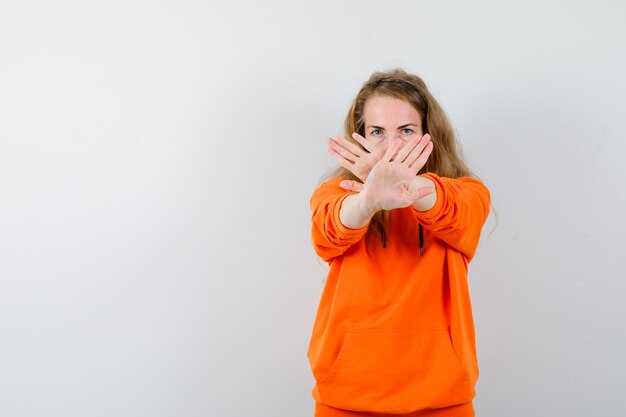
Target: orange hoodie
x,y
394,331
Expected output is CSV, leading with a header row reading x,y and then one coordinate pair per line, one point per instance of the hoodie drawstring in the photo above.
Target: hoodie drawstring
x,y
421,238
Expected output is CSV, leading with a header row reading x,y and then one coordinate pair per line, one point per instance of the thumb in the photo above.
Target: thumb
x,y
351,185
422,192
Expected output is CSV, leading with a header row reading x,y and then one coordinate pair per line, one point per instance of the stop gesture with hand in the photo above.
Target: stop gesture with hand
x,y
387,185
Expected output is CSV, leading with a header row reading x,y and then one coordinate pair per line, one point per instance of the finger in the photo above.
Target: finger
x,y
342,161
336,147
422,159
347,164
350,147
418,150
392,149
364,142
351,185
408,148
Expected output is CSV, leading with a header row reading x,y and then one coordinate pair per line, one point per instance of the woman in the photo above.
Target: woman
x,y
398,223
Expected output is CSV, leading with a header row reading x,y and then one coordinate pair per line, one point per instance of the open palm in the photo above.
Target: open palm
x,y
387,185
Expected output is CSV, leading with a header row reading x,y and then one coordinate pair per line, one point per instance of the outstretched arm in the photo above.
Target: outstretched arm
x,y
330,237
458,213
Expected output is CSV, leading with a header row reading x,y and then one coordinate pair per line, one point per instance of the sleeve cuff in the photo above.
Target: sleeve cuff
x,y
345,232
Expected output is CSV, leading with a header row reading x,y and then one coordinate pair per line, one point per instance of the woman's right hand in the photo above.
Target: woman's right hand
x,y
352,157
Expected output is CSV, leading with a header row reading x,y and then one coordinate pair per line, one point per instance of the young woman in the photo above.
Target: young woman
x,y
398,223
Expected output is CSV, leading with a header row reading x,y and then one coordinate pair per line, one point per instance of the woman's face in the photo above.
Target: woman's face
x,y
389,117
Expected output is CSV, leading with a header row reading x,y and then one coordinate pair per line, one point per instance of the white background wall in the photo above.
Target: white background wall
x,y
156,164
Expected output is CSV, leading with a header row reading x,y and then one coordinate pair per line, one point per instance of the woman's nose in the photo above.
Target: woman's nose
x,y
391,138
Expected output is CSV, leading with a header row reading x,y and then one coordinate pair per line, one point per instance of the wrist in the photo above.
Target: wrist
x,y
366,205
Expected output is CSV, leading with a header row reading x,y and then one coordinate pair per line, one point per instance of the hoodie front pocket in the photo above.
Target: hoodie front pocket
x,y
395,372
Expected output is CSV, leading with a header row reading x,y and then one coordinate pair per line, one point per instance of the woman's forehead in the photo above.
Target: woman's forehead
x,y
381,109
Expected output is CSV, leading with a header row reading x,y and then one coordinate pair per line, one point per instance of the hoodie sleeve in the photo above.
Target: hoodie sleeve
x,y
459,213
330,237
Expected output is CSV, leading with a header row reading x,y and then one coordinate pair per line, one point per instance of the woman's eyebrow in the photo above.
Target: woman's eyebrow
x,y
399,127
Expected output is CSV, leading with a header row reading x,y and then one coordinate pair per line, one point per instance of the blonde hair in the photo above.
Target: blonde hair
x,y
446,158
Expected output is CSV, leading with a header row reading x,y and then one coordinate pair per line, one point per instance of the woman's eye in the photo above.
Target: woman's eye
x,y
376,132
407,131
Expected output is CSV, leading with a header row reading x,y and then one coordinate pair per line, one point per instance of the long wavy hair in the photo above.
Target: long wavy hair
x,y
446,158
